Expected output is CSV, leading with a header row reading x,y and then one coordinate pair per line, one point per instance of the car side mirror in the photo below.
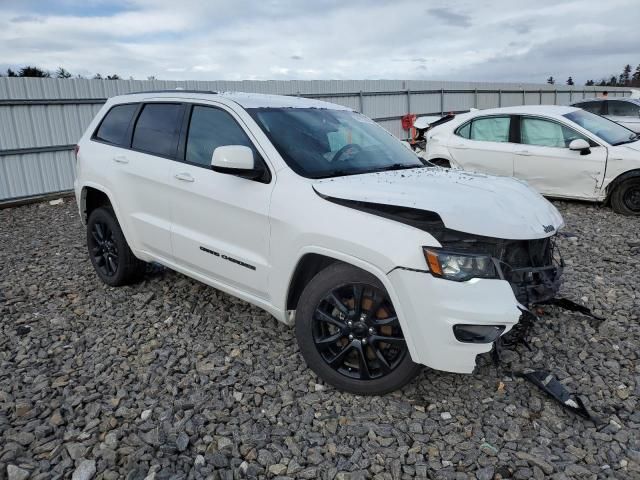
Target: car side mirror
x,y
581,145
231,158
238,160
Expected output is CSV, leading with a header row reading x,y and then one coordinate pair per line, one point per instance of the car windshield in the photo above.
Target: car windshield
x,y
321,143
609,131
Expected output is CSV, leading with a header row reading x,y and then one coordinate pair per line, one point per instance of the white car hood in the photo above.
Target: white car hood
x,y
499,207
635,146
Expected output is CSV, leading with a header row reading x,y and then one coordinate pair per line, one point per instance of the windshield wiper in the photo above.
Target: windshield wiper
x,y
344,173
394,166
632,138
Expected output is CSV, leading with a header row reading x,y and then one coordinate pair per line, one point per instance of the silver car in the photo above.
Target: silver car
x,y
625,111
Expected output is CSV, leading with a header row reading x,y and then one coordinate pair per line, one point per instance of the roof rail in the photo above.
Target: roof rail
x,y
175,90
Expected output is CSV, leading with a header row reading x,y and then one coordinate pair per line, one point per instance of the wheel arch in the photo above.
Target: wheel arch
x,y
610,188
91,198
325,257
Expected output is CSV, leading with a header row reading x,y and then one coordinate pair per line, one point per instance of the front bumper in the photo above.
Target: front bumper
x,y
430,307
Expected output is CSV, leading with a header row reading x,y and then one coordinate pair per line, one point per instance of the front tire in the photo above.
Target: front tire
x,y
112,259
625,199
349,334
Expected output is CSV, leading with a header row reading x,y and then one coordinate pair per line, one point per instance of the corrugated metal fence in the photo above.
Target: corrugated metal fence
x,y
42,119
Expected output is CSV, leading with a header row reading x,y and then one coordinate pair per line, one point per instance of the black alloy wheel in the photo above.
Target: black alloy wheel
x,y
357,333
349,333
112,259
104,249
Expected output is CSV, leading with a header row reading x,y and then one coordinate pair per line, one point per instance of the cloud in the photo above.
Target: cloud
x,y
450,17
324,39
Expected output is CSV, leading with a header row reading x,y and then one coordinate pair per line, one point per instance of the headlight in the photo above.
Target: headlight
x,y
459,266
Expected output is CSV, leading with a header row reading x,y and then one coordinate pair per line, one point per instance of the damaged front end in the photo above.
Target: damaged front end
x,y
533,268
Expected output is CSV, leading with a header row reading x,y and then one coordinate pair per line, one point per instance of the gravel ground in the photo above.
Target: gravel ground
x,y
172,379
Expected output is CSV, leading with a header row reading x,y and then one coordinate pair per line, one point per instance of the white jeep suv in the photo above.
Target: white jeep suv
x,y
316,214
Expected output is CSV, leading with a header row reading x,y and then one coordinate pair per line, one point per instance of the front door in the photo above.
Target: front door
x,y
220,221
544,160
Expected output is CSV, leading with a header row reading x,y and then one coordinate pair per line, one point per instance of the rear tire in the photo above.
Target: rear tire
x,y
349,334
625,199
112,259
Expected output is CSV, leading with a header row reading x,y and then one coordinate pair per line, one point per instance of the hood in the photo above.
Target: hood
x,y
635,146
499,207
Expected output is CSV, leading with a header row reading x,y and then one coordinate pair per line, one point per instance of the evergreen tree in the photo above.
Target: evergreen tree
x,y
551,80
115,76
590,83
570,81
625,76
635,79
29,71
613,81
97,76
11,73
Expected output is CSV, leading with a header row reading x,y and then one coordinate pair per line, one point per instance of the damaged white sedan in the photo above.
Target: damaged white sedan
x,y
563,152
316,214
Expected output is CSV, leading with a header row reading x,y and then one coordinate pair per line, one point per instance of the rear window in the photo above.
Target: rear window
x,y
464,131
115,125
157,129
593,107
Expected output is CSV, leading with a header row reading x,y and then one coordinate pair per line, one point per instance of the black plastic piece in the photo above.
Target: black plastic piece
x,y
548,383
572,307
477,333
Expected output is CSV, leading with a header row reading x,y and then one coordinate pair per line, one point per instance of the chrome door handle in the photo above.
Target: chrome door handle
x,y
120,159
185,177
523,152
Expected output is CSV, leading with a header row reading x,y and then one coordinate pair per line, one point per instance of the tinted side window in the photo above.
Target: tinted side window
x,y
464,130
593,107
210,128
535,131
157,129
114,126
623,109
490,129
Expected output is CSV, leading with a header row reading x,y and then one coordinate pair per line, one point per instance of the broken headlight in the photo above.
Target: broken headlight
x,y
459,267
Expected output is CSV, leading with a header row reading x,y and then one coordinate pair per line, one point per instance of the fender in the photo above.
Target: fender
x,y
367,267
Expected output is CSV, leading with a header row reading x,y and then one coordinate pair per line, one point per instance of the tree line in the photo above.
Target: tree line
x,y
60,72
625,79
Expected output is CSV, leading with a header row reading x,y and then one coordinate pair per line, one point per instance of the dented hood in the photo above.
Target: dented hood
x,y
475,203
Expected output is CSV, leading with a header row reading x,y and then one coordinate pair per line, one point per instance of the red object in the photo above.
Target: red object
x,y
408,121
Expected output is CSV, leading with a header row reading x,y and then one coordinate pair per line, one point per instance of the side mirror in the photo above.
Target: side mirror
x,y
581,145
232,159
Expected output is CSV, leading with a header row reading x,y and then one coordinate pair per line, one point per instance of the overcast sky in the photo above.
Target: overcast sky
x,y
508,40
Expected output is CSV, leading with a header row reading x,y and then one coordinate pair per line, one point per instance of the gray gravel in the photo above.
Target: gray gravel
x,y
172,379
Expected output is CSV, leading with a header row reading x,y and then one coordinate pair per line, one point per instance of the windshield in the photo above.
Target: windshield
x,y
609,131
319,143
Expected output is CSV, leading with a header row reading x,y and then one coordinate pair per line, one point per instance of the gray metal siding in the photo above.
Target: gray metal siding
x,y
42,118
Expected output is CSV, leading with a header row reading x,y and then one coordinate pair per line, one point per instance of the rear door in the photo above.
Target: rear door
x,y
141,175
483,145
625,113
220,221
544,160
